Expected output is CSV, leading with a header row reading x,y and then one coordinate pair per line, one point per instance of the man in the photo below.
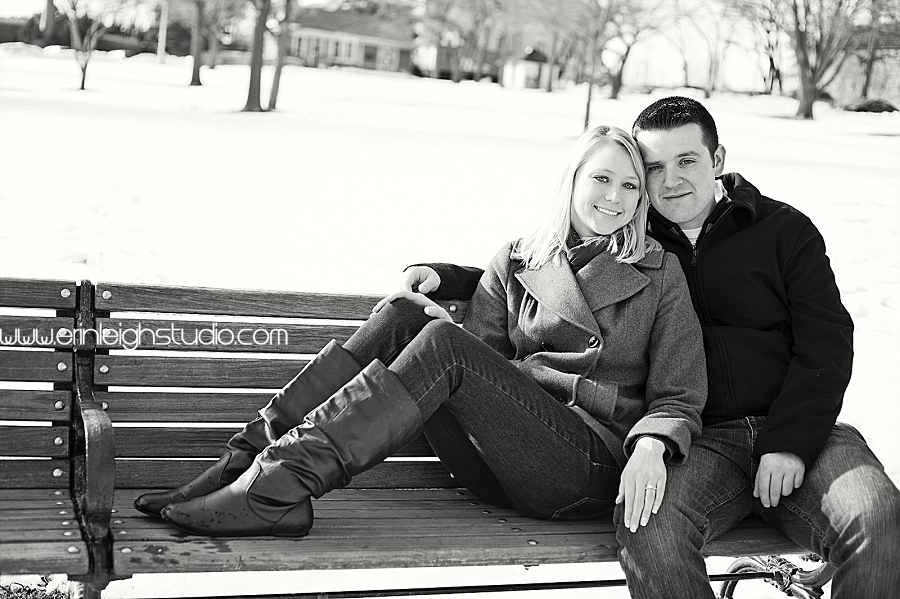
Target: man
x,y
779,351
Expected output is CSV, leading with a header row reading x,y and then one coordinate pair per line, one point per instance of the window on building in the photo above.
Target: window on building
x,y
336,51
298,43
349,51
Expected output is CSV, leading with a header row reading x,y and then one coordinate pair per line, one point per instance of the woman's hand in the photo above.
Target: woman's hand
x,y
431,308
643,482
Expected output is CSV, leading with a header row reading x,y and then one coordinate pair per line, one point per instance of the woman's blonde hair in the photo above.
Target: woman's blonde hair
x,y
630,243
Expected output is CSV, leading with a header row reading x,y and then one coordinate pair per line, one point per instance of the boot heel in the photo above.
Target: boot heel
x,y
302,512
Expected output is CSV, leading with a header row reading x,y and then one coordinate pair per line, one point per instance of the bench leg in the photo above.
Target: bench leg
x,y
787,577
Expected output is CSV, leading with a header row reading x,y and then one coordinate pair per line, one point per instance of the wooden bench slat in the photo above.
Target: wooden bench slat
x,y
319,552
31,493
34,441
182,407
125,496
35,474
122,297
35,405
53,513
165,442
166,474
21,536
183,335
51,522
35,366
37,331
33,293
156,371
37,557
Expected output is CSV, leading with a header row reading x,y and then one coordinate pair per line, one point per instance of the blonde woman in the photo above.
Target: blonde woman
x,y
578,372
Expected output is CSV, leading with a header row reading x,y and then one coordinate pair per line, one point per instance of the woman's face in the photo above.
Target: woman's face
x,y
606,193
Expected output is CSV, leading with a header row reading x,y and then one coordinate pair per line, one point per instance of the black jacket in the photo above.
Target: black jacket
x,y
778,341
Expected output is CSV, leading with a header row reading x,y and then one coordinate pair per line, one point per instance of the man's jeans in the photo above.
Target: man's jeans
x,y
497,431
847,511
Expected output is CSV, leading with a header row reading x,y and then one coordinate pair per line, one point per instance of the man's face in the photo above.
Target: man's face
x,y
681,175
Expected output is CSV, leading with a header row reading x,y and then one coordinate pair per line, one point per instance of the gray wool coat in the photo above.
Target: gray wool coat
x,y
620,344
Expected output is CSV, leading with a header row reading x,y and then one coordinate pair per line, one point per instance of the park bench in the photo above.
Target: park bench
x,y
130,414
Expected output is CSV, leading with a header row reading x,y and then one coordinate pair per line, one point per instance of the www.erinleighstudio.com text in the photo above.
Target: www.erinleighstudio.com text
x,y
133,337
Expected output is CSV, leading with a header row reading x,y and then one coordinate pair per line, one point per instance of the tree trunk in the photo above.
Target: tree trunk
x,y
256,58
197,44
590,78
84,66
551,60
163,31
870,62
806,96
46,25
284,38
213,40
615,80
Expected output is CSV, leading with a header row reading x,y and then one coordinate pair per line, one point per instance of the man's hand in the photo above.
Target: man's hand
x,y
778,475
643,482
420,279
431,308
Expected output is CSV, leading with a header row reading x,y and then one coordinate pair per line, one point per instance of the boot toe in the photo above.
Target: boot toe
x,y
153,503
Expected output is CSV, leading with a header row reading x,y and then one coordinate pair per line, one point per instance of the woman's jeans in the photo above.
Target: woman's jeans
x,y
847,510
497,431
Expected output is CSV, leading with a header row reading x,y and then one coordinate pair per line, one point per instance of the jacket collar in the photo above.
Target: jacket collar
x,y
600,283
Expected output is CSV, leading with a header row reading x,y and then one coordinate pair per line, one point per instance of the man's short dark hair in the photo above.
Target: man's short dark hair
x,y
677,111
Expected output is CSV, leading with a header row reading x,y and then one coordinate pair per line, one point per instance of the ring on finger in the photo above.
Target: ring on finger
x,y
650,488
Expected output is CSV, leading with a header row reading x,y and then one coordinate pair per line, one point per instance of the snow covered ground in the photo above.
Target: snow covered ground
x,y
144,179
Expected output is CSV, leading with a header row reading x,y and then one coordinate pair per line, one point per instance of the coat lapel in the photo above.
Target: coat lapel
x,y
604,282
554,286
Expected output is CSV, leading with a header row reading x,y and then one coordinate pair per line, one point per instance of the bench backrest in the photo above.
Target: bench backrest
x,y
36,383
187,367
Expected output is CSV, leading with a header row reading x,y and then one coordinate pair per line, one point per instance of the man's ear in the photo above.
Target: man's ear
x,y
719,160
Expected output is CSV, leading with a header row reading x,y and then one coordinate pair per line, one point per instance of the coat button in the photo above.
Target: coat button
x,y
593,342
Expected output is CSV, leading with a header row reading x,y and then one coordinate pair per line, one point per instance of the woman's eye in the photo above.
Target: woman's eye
x,y
601,178
629,186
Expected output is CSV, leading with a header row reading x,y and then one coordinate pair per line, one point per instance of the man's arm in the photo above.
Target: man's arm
x,y
455,282
801,418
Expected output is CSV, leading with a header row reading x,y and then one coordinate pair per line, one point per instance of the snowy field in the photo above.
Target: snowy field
x,y
143,179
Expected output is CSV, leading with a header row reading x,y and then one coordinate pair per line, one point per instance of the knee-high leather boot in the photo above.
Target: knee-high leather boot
x,y
369,419
319,379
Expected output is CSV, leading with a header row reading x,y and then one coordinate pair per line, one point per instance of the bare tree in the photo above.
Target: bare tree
x,y
632,22
197,42
764,18
882,24
595,16
461,31
86,26
821,32
219,16
253,104
284,38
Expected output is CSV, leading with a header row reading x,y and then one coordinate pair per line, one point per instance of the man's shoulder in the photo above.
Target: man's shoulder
x,y
759,208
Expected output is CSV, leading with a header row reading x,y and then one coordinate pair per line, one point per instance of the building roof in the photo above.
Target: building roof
x,y
358,23
530,54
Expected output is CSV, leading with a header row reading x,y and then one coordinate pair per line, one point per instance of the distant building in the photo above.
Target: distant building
x,y
457,44
352,38
529,69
